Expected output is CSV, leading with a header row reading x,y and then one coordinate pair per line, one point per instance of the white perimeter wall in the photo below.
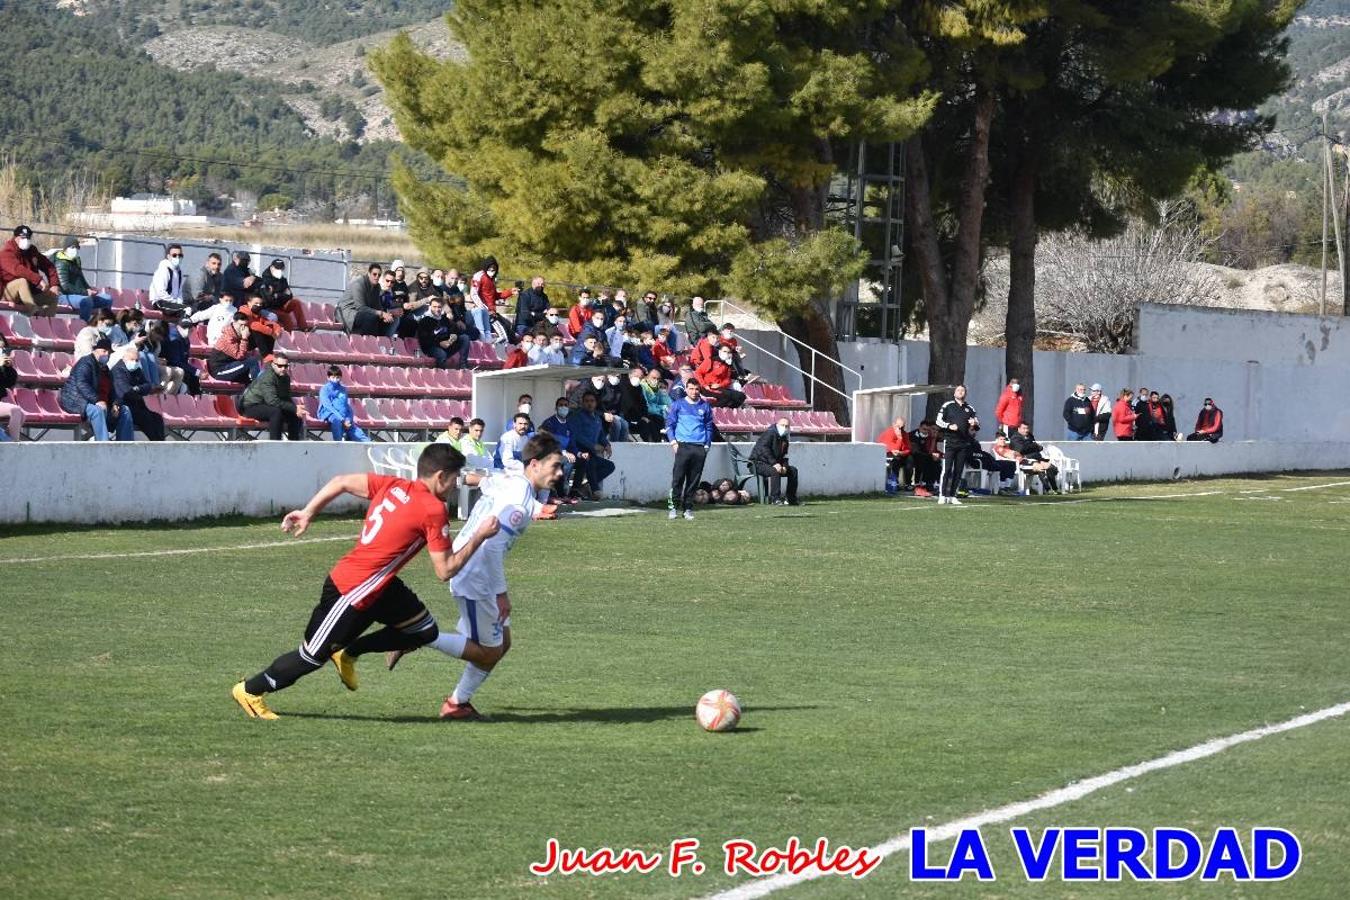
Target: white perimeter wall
x,y
1239,334
116,483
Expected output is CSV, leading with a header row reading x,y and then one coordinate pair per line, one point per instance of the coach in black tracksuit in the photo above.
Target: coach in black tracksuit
x,y
958,424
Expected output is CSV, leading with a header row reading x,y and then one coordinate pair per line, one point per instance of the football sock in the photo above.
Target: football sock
x,y
285,670
469,683
451,643
391,638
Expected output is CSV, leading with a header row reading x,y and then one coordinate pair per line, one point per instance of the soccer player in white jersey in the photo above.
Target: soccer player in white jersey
x,y
483,634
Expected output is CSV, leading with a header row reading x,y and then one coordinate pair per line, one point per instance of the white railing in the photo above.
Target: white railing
x,y
809,377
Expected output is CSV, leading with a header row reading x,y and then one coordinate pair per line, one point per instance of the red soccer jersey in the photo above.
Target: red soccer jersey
x,y
403,518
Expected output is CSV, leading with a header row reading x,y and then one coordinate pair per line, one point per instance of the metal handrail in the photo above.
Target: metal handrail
x,y
811,379
800,343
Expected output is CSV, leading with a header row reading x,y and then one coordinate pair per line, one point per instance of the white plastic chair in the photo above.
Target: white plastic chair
x,y
1070,476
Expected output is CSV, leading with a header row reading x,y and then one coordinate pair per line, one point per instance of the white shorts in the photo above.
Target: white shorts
x,y
481,622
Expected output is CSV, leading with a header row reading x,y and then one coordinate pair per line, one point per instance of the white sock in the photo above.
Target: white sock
x,y
469,683
451,643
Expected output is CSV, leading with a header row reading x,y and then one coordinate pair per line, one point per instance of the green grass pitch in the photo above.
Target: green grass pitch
x,y
900,664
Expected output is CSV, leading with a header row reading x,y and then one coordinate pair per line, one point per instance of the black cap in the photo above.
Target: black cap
x,y
278,262
103,344
23,231
1209,399
71,241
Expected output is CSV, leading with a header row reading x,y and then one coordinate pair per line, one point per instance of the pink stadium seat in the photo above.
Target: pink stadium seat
x,y
16,331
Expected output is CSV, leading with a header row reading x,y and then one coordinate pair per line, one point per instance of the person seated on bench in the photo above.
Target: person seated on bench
x,y
899,456
1209,424
770,459
268,399
1033,458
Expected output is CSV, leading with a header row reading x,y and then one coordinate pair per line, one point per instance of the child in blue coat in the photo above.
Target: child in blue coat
x,y
336,409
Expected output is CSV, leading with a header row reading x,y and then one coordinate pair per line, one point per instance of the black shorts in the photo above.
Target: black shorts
x,y
335,623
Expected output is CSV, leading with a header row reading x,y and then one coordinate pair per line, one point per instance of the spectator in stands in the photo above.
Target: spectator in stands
x,y
1101,412
705,348
336,409
400,289
616,337
646,310
11,413
88,393
536,347
268,399
531,306
238,279
100,327
171,377
665,317
232,357
1032,454
559,426
592,447
633,407
617,306
1079,413
177,352
770,460
959,425
265,330
217,318
438,339
130,388
278,298
727,338
390,305
166,285
1208,424
1169,420
654,352
555,355
1143,425
580,314
696,321
484,297
359,310
899,456
587,352
1124,416
512,440
28,279
689,427
718,379
927,458
517,357
1008,410
130,329
75,289
596,328
205,286
677,389
657,399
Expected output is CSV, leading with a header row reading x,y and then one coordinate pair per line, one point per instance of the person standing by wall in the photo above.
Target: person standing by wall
x,y
958,423
689,425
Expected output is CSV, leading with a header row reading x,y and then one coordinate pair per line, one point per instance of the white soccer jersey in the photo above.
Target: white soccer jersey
x,y
509,497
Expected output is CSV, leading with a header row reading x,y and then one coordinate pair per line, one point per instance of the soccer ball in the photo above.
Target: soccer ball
x,y
718,711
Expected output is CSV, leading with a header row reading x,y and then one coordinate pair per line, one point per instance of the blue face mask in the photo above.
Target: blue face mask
x,y
131,365
562,412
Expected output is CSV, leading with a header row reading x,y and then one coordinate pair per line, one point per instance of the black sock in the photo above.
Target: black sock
x,y
285,670
410,637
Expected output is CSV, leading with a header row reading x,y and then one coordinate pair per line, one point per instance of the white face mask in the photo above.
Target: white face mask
x,y
524,408
552,320
24,243
174,261
438,281
782,430
131,365
277,273
613,379
105,328
556,345
698,306
1016,388
562,412
72,252
635,381
725,357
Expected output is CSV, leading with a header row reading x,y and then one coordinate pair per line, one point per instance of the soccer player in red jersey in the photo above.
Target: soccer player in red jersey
x,y
364,588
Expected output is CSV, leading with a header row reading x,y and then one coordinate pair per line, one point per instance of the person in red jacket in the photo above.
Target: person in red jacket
x,y
1209,424
265,330
27,278
716,376
705,349
899,456
580,314
1123,416
1008,410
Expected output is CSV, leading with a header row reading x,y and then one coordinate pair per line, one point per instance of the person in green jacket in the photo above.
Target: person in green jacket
x,y
268,399
75,289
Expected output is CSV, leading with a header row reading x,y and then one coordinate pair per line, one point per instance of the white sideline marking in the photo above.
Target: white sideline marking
x,y
1313,487
183,552
1058,797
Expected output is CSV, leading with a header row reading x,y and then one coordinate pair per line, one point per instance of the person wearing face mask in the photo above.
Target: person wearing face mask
x,y
616,337
531,306
696,321
717,377
238,279
75,289
1078,415
437,337
633,408
100,327
727,338
485,296
705,348
1209,424
657,398
130,329
554,354
1101,413
580,314
770,460
231,357
525,405
336,409
166,285
27,277
177,352
1008,410
130,387
654,352
88,393
559,426
278,298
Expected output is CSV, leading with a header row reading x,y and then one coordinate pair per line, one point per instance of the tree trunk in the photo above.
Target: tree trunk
x,y
1020,328
949,304
815,329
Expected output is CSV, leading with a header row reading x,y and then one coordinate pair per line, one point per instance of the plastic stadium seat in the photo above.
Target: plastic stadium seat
x,y
16,330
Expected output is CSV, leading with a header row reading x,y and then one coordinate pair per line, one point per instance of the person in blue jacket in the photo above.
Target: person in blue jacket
x,y
88,393
336,409
559,426
689,427
590,441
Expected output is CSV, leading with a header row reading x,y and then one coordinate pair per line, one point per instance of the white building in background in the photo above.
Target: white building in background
x,y
152,205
